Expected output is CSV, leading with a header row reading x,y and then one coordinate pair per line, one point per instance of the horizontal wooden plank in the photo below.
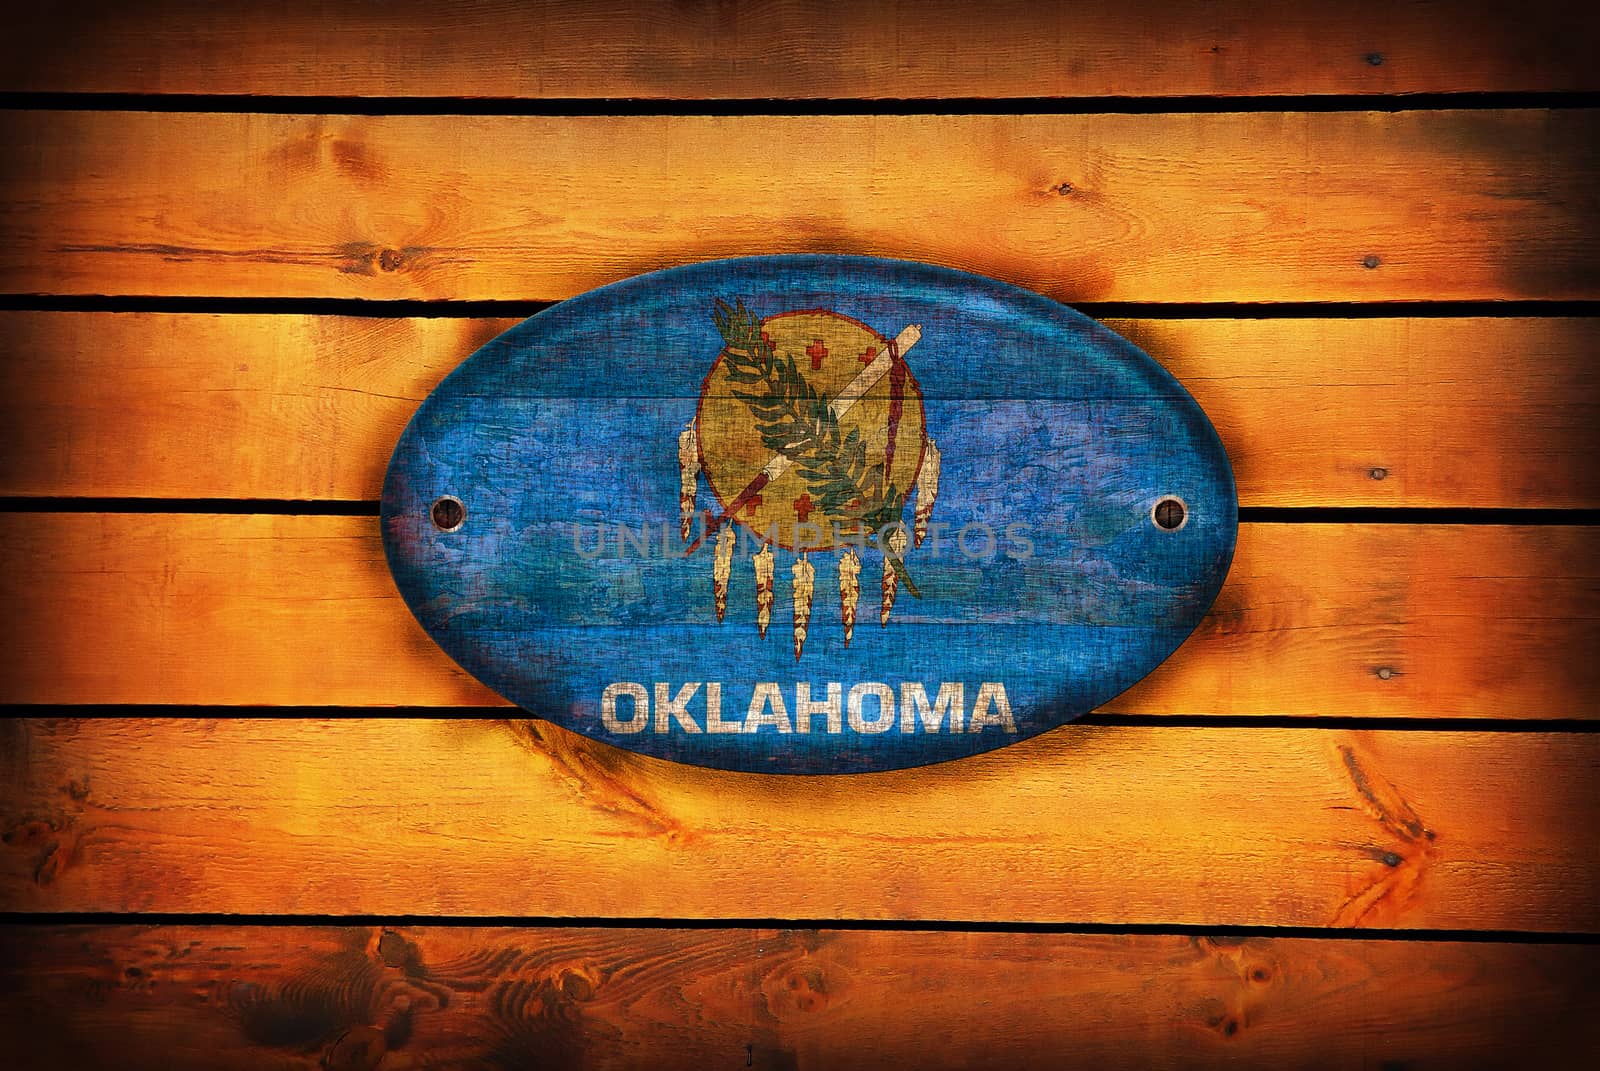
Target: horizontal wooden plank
x,y
1414,621
1116,825
798,48
1165,207
237,997
1496,412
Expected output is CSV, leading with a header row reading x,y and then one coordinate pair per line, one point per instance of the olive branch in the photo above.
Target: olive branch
x,y
794,420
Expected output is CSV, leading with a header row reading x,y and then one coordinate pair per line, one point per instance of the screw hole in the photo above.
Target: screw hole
x,y
448,514
1170,514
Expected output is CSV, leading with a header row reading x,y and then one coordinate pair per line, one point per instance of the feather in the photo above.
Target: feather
x,y
804,581
721,567
688,477
895,546
849,591
927,489
764,566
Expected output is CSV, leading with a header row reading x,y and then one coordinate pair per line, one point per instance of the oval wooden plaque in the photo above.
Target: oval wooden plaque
x,y
809,514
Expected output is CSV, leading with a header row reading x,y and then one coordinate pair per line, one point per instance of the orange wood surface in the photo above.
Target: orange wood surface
x,y
362,997
1472,411
661,49
1097,824
975,141
1414,621
1258,206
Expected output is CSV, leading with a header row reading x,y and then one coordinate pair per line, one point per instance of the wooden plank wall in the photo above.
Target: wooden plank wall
x,y
251,818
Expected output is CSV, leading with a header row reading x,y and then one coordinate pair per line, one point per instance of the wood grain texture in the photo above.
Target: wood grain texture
x,y
237,997
798,48
1087,824
1481,412
1393,620
1165,207
1119,825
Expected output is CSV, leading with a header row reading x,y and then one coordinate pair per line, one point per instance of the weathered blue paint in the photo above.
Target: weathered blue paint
x,y
1045,419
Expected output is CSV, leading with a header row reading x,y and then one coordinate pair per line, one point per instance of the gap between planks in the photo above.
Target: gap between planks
x,y
820,107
